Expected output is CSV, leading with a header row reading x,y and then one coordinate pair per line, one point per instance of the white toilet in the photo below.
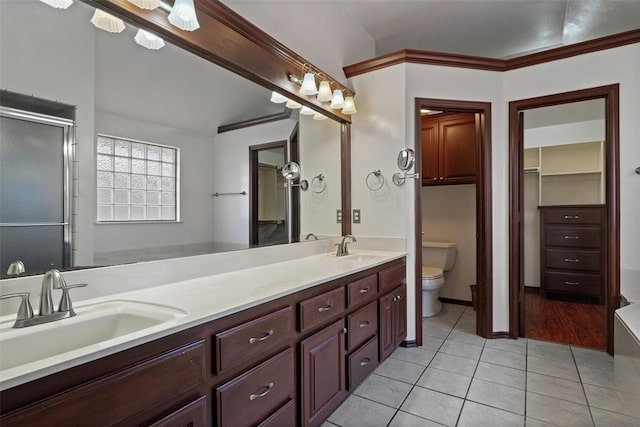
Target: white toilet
x,y
437,257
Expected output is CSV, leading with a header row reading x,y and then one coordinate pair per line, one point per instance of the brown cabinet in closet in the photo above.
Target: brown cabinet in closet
x,y
449,149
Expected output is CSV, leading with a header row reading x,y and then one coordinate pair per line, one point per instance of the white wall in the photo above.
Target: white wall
x,y
570,133
449,215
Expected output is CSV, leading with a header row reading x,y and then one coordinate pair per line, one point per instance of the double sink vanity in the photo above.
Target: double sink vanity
x,y
281,344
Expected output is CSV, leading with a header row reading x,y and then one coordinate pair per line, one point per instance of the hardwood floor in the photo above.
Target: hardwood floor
x,y
567,322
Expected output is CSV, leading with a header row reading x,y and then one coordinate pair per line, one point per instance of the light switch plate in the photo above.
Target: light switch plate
x,y
338,216
356,216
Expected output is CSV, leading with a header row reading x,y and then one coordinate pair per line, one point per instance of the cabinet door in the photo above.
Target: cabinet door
x,y
323,373
192,415
400,315
457,150
429,141
385,324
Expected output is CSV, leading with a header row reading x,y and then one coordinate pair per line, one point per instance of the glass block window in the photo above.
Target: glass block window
x,y
136,181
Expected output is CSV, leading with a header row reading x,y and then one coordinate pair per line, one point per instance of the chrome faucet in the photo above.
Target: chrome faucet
x,y
52,280
342,246
311,235
16,268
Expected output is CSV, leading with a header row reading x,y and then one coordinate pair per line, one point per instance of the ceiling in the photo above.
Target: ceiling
x,y
490,28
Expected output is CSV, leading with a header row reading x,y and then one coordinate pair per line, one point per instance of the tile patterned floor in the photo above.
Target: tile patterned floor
x,y
460,379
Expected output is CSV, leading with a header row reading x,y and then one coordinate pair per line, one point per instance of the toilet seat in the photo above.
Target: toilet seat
x,y
432,273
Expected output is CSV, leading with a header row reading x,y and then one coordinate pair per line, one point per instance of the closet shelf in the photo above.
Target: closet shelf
x,y
585,172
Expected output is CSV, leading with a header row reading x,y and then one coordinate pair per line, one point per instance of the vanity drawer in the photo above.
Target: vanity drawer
x,y
392,277
284,417
578,237
248,340
573,259
362,362
590,284
318,310
252,396
362,290
361,325
578,215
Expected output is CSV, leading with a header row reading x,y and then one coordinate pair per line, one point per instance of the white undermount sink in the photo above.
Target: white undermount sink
x,y
361,257
92,324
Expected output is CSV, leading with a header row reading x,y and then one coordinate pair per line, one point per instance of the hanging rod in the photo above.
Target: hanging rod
x,y
243,193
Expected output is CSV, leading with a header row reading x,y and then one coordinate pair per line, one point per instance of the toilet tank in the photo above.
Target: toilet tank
x,y
438,254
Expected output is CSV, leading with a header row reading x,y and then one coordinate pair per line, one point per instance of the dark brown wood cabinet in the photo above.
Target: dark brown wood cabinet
x,y
449,149
393,320
572,256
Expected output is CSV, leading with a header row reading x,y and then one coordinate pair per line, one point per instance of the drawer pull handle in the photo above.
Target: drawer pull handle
x,y
572,283
323,309
266,391
365,361
364,290
266,335
572,217
571,260
365,324
572,237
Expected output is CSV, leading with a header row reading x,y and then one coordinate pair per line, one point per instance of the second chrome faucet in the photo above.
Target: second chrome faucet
x,y
343,250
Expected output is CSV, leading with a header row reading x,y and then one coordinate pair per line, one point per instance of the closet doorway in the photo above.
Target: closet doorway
x,y
481,114
564,210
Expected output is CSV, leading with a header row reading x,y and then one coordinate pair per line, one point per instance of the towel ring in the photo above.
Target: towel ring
x,y
319,179
379,176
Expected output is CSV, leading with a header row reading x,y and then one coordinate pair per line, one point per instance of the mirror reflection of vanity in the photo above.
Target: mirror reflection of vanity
x,y
170,98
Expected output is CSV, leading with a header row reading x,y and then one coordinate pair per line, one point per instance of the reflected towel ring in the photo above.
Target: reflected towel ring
x,y
380,178
319,179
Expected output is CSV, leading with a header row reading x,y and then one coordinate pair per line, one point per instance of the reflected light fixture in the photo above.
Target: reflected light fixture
x,y
337,101
324,92
58,4
107,22
183,15
306,111
148,40
319,116
277,98
349,106
146,4
292,104
308,86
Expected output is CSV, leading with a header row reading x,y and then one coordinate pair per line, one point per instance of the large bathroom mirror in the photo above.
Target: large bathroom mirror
x,y
156,161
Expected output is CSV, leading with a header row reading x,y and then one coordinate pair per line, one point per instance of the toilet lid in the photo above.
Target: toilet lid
x,y
431,272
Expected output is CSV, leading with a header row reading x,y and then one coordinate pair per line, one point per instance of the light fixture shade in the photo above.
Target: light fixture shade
x,y
292,104
278,98
107,22
349,106
319,116
183,15
58,4
306,111
337,101
148,40
324,92
309,85
146,4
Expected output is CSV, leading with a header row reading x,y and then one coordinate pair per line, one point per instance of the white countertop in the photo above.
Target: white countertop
x,y
203,300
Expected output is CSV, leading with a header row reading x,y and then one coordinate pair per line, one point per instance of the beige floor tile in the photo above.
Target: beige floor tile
x,y
505,344
359,412
434,406
553,368
417,355
476,415
445,382
559,412
461,349
383,390
455,364
431,343
501,375
504,358
604,418
607,399
497,395
404,419
556,387
466,337
400,370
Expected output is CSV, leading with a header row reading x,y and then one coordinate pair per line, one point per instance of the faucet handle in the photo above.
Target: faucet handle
x,y
25,311
65,300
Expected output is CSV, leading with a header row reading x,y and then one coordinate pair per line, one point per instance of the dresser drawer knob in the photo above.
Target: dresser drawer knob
x,y
572,237
571,260
365,324
364,290
572,283
572,217
365,361
323,309
266,335
266,391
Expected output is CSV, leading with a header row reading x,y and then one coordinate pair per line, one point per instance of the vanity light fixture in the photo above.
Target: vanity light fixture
x,y
58,4
278,98
148,40
337,101
349,106
308,86
107,22
183,15
324,92
146,4
292,104
306,111
319,116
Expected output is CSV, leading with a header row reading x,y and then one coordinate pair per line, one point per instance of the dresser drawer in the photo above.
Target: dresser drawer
x,y
251,397
392,277
573,259
284,417
362,324
579,237
318,310
590,284
248,340
362,362
568,215
362,290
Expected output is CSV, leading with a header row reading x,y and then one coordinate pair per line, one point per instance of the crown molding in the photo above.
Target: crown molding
x,y
256,121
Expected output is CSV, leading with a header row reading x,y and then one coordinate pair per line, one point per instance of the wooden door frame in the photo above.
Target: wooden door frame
x,y
484,239
610,94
